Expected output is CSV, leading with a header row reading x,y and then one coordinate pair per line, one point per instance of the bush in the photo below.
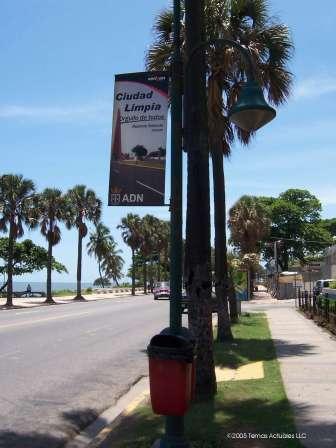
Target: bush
x,y
332,285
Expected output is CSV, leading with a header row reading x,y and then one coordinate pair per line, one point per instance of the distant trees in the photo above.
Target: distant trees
x,y
131,234
148,238
27,258
103,247
16,205
140,151
249,224
296,220
21,205
83,206
51,211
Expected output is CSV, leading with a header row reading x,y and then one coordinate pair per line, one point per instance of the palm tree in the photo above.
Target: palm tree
x,y
100,242
162,246
149,233
249,225
51,211
83,206
269,43
16,205
113,263
131,234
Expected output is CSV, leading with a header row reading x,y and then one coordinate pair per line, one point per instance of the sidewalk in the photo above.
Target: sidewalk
x,y
307,356
31,302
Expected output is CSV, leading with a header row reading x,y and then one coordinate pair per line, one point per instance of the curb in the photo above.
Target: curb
x,y
62,301
96,433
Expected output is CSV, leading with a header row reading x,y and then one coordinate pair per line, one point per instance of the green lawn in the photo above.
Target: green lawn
x,y
70,292
249,406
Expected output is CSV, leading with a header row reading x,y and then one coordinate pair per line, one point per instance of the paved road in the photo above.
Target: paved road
x,y
145,180
60,366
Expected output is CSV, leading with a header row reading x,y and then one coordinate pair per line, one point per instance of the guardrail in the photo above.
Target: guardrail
x,y
115,290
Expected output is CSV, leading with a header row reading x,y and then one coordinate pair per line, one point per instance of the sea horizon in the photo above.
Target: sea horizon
x,y
55,286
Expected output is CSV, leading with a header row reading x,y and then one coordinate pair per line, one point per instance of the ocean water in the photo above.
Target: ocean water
x,y
55,286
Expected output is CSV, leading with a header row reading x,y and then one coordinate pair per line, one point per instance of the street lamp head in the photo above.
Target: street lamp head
x,y
251,111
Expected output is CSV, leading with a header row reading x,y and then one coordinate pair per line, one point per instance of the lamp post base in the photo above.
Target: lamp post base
x,y
174,434
171,443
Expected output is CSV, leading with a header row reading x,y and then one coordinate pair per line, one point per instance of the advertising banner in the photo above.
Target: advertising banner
x,y
139,133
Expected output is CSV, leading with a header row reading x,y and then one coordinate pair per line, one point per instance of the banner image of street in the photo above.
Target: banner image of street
x,y
139,132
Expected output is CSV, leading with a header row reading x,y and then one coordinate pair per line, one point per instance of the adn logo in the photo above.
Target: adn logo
x,y
132,198
115,195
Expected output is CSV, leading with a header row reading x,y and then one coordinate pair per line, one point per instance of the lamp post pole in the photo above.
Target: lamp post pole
x,y
174,425
250,100
176,177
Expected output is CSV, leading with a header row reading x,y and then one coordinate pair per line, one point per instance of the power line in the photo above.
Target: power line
x,y
300,240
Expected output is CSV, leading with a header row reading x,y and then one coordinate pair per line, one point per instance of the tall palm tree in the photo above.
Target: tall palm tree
x,y
131,234
99,245
113,263
84,207
248,224
162,246
268,42
51,211
149,233
16,205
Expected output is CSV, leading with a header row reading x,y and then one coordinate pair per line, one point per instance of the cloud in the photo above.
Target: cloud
x,y
314,87
327,195
95,111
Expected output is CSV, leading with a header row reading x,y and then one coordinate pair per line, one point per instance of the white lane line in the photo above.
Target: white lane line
x,y
150,188
11,354
25,312
32,322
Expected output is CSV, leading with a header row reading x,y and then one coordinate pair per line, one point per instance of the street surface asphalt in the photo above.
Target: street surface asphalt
x,y
61,366
140,179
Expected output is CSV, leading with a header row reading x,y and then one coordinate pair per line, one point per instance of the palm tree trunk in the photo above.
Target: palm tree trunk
x,y
221,265
251,281
145,277
100,275
4,285
158,275
11,241
79,268
232,301
151,280
133,272
197,252
49,298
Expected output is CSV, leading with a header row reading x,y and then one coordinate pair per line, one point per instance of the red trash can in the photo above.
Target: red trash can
x,y
170,373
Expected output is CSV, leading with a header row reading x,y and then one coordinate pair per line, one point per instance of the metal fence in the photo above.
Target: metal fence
x,y
317,307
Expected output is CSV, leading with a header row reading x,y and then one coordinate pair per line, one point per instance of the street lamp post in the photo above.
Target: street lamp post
x,y
250,113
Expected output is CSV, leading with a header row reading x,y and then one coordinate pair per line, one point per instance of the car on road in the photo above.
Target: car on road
x,y
320,284
161,290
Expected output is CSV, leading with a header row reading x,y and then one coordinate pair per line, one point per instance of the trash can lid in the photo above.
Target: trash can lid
x,y
171,347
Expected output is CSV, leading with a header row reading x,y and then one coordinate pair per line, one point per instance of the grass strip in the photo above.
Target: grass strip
x,y
253,407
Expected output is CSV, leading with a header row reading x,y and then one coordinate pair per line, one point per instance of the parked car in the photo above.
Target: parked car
x,y
161,289
320,284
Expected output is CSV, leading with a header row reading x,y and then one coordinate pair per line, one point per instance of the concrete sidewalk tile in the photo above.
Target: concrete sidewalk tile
x,y
307,357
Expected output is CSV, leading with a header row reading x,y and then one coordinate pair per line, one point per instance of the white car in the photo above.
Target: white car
x,y
320,284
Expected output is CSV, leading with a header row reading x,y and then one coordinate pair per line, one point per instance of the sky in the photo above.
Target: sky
x,y
58,61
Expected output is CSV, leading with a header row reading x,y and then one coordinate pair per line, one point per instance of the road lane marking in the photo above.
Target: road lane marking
x,y
32,322
149,188
25,312
18,352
